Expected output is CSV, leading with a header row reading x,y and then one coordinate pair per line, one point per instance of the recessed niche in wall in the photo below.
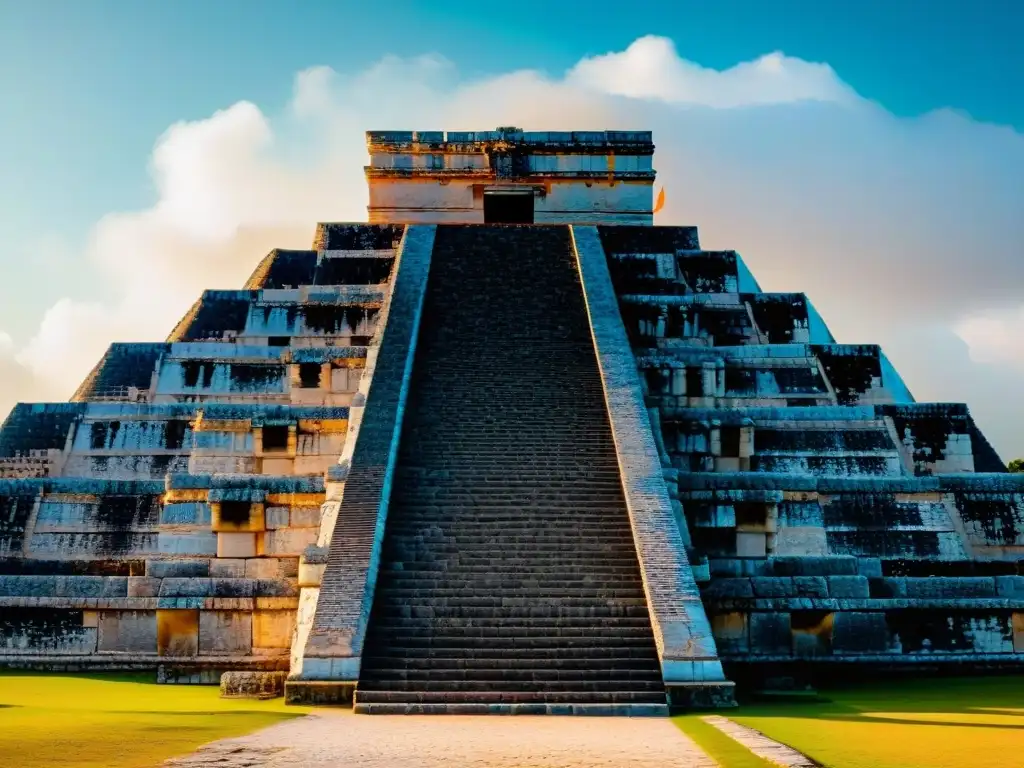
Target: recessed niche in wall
x,y
275,438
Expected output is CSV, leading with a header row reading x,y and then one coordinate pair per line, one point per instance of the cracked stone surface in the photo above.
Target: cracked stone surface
x,y
382,741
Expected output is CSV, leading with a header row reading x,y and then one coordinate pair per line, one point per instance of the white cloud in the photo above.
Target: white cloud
x,y
651,68
995,337
889,224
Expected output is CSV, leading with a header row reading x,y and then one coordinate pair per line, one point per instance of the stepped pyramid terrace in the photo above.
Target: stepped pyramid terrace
x,y
507,447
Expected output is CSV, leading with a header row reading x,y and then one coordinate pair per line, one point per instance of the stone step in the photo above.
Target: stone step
x,y
540,708
502,586
509,575
617,644
438,541
628,696
486,656
511,683
394,629
624,595
623,564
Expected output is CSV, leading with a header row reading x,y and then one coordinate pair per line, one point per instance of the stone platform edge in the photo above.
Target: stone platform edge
x,y
689,659
333,651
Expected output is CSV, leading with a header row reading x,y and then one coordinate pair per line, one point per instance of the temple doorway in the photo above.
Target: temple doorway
x,y
508,207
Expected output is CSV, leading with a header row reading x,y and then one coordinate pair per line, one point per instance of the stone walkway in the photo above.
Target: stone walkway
x,y
333,738
761,745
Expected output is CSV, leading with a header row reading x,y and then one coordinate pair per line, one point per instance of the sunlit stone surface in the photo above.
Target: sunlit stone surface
x,y
448,461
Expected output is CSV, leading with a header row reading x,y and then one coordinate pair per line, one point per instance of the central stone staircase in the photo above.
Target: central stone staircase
x,y
509,580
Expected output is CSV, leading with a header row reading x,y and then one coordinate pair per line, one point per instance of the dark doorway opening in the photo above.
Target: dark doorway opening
x,y
508,208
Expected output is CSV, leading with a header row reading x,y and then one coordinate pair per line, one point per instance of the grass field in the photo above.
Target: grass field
x,y
938,723
125,721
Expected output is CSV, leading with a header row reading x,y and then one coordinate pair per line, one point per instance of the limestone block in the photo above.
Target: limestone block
x,y
224,633
236,545
278,465
201,543
277,587
177,568
305,517
755,566
730,631
127,631
252,685
311,574
848,587
277,517
728,588
810,586
263,568
870,567
725,567
177,632
770,634
888,588
314,465
143,586
814,565
290,541
186,588
66,635
288,567
751,544
233,588
801,540
856,633
185,513
945,587
228,568
86,586
1010,587
773,586
272,629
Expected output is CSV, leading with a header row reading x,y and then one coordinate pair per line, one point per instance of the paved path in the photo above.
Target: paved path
x,y
769,749
339,739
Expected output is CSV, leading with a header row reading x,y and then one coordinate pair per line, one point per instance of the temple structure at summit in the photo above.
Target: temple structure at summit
x,y
507,447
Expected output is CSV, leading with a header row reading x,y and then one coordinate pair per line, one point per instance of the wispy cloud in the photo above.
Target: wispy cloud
x,y
893,226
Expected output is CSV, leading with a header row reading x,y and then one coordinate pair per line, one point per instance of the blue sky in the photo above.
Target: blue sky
x,y
90,86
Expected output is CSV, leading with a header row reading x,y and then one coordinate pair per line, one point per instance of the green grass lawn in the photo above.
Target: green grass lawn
x,y
938,723
80,721
726,751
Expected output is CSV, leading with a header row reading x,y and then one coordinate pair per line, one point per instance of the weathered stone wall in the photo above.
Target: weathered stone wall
x,y
832,518
160,521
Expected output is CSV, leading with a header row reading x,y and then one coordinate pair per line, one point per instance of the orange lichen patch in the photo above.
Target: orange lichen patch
x,y
177,632
222,425
294,499
349,362
182,495
323,426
